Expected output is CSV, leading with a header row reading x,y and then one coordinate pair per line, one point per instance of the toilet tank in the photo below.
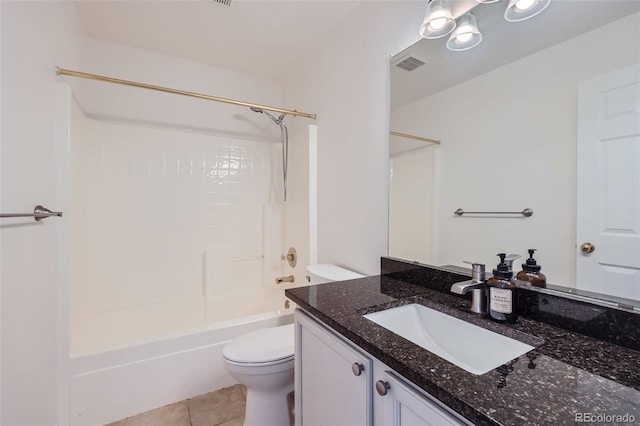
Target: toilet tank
x,y
325,273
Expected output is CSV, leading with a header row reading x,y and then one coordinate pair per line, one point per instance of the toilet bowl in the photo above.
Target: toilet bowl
x,y
263,361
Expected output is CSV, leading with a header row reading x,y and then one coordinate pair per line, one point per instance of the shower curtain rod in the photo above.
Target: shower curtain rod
x,y
62,71
419,138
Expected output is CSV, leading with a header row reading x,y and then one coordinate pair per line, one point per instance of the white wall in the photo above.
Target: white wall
x,y
296,209
36,36
119,102
509,142
347,85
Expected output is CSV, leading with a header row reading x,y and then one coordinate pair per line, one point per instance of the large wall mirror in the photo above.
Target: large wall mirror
x,y
543,114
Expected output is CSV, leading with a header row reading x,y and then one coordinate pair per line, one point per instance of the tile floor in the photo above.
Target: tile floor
x,y
224,407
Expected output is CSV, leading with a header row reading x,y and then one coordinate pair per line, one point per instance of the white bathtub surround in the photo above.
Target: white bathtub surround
x,y
411,198
175,233
168,232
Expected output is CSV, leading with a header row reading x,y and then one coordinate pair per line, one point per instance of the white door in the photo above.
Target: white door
x,y
608,163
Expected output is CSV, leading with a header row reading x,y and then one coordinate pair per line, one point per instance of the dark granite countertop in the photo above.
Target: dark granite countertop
x,y
566,374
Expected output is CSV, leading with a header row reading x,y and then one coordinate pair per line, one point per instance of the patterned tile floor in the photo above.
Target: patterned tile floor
x,y
224,407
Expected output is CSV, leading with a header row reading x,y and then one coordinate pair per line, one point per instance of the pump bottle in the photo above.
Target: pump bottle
x,y
531,272
502,293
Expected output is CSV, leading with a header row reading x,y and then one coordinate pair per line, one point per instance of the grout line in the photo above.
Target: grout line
x,y
186,401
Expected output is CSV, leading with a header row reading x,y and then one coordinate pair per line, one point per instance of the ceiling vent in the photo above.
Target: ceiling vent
x,y
222,2
408,62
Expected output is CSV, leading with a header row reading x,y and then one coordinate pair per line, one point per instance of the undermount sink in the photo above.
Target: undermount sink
x,y
468,346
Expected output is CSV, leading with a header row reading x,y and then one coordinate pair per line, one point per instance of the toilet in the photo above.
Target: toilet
x,y
325,273
262,360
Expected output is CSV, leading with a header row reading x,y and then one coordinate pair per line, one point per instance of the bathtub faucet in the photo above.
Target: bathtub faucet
x,y
287,279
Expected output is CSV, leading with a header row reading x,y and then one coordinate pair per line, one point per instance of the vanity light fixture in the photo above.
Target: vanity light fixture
x,y
519,10
466,35
438,20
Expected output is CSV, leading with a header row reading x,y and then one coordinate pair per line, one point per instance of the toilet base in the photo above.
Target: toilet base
x,y
268,408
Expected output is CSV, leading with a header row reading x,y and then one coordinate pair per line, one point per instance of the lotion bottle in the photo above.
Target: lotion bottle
x,y
531,272
501,294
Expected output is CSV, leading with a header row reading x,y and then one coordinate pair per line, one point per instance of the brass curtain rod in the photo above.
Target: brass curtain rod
x,y
62,71
419,138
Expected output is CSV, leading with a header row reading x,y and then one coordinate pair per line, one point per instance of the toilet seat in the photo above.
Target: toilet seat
x,y
259,364
269,346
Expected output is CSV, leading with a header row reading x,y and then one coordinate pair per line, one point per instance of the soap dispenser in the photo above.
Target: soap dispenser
x,y
531,272
501,294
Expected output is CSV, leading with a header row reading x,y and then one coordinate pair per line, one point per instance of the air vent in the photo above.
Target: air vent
x,y
409,62
222,2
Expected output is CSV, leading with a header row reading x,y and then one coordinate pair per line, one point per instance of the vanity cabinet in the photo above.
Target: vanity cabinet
x,y
339,384
333,380
399,404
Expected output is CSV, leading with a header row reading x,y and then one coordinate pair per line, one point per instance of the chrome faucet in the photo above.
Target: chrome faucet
x,y
475,284
509,260
287,279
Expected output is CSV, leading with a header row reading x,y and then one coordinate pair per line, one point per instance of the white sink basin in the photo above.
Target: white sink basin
x,y
470,347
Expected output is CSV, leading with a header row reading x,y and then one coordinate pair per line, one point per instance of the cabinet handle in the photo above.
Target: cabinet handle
x,y
382,387
357,368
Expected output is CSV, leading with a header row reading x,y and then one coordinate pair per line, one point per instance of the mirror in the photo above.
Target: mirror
x,y
506,113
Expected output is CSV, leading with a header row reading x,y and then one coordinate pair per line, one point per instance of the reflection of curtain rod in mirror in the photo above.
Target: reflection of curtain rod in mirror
x,y
419,138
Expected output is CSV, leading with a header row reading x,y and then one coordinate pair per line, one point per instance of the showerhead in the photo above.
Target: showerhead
x,y
285,142
278,121
261,111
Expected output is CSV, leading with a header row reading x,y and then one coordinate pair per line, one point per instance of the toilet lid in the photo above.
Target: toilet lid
x,y
266,345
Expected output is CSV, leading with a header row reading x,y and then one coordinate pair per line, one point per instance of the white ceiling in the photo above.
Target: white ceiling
x,y
259,37
502,42
272,37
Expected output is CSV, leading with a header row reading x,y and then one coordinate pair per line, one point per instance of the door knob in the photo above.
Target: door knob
x,y
587,248
382,387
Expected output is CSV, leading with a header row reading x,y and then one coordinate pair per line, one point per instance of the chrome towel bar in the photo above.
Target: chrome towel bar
x,y
525,212
38,214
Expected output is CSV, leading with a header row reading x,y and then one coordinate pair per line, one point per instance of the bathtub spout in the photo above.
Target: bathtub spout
x,y
287,279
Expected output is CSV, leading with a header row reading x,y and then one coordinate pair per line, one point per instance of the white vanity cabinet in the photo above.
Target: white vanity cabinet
x,y
398,403
333,379
339,384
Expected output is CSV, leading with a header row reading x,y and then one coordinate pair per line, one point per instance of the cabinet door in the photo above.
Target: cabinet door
x,y
333,381
403,405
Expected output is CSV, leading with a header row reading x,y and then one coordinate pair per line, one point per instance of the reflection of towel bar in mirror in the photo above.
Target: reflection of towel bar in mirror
x,y
418,138
525,212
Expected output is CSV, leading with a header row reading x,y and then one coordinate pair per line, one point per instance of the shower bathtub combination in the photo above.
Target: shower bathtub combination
x,y
175,237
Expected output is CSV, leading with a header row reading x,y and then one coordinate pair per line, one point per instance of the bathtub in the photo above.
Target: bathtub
x,y
134,336
112,385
